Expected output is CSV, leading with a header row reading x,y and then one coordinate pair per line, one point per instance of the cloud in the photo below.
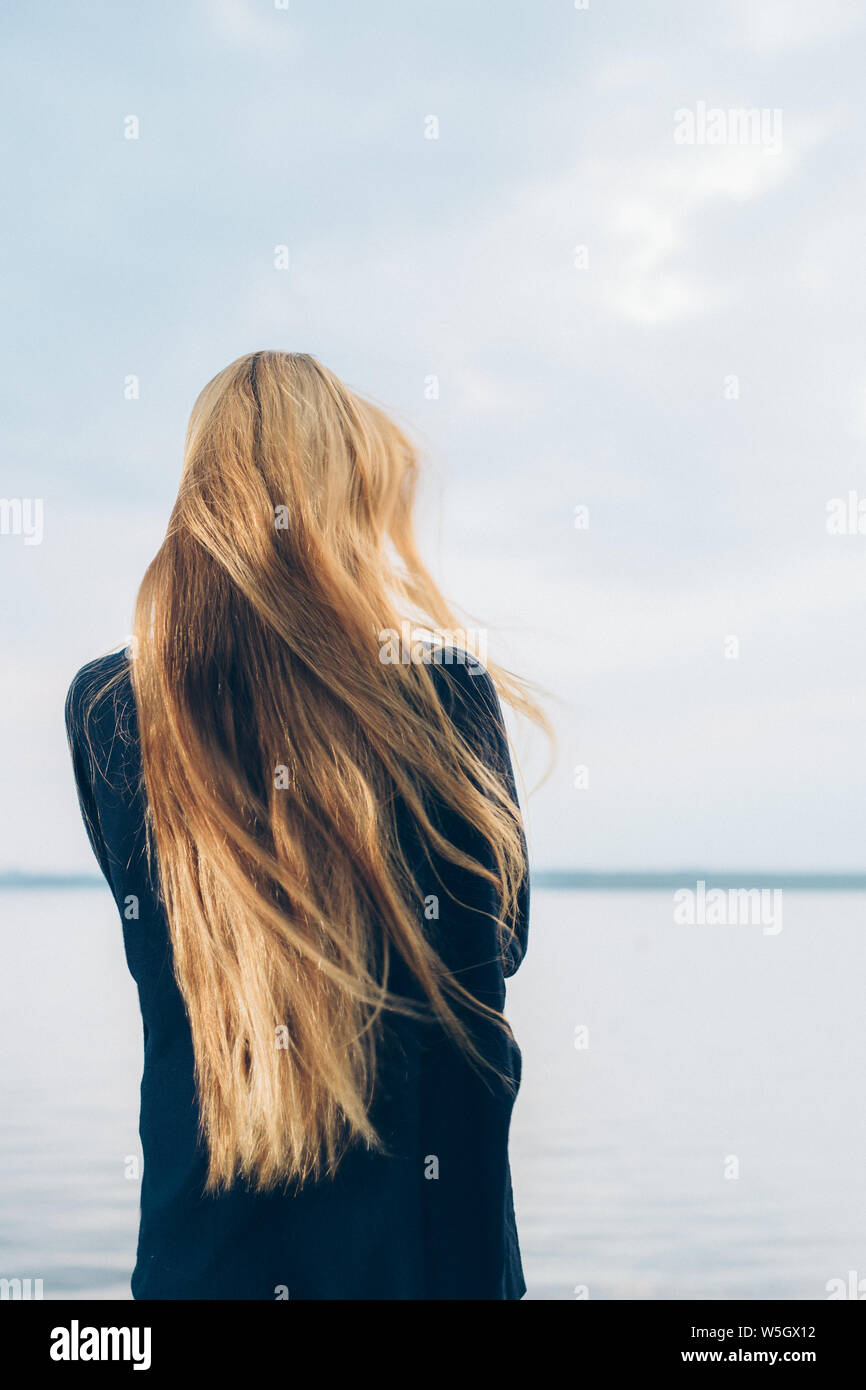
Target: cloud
x,y
772,27
265,31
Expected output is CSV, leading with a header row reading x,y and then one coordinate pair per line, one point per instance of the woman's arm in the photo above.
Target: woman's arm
x,y
83,766
474,706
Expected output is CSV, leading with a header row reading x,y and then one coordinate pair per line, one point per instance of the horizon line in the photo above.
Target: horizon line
x,y
557,880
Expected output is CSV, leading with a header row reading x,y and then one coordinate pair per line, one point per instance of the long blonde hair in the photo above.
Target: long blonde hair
x,y
276,747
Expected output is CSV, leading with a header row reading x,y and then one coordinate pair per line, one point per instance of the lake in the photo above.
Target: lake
x,y
690,1125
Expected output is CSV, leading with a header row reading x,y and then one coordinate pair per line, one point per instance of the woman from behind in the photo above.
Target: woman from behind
x,y
313,839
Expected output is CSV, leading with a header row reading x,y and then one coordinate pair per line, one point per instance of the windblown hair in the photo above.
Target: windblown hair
x,y
276,747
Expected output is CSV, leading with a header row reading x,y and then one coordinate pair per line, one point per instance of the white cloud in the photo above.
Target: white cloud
x,y
771,27
261,29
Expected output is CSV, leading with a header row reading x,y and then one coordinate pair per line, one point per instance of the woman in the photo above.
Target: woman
x,y
317,855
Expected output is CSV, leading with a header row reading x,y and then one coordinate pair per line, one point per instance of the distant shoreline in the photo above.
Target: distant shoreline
x,y
565,880
559,880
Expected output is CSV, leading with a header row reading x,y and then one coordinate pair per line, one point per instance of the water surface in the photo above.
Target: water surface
x,y
709,1048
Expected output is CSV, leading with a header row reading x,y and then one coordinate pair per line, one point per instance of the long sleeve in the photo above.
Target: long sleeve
x,y
84,769
475,708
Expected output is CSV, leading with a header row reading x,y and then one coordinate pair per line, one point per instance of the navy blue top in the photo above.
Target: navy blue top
x,y
432,1217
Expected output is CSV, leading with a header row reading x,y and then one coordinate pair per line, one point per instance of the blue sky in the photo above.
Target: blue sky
x,y
559,386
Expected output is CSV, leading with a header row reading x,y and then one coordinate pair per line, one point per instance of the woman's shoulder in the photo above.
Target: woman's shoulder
x,y
99,691
462,670
467,690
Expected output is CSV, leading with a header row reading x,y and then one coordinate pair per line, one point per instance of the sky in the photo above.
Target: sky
x,y
666,334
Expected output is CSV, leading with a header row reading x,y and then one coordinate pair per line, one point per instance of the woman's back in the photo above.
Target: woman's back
x,y
427,1215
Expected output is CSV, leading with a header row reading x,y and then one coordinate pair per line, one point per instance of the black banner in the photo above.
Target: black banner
x,y
63,1338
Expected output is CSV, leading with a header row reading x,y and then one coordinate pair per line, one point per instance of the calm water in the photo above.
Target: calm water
x,y
706,1044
